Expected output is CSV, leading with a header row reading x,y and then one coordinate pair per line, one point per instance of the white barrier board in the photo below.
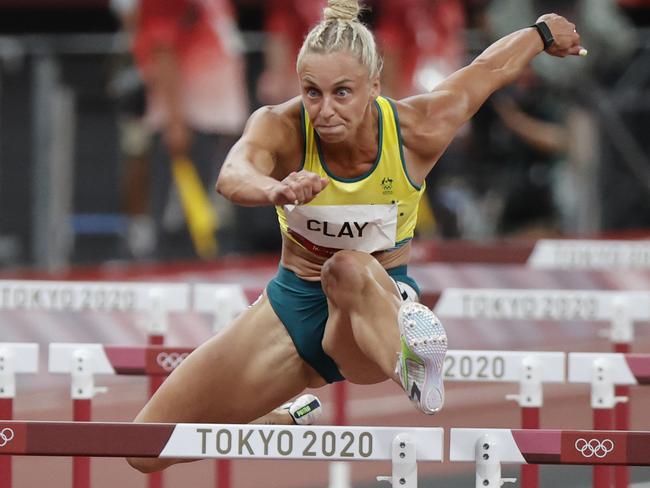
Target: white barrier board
x,y
298,442
590,254
210,297
63,358
505,366
93,296
462,445
547,305
19,357
581,367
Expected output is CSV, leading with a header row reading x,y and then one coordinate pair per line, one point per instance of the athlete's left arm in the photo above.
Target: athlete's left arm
x,y
430,121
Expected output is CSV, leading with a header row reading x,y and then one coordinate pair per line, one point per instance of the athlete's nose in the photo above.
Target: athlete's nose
x,y
327,108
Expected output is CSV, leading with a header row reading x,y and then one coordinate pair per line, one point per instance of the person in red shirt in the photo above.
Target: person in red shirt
x,y
189,54
287,23
421,42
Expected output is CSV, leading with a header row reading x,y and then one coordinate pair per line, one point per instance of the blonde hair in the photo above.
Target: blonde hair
x,y
341,30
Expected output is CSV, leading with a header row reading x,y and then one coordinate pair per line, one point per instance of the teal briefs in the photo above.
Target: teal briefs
x,y
301,305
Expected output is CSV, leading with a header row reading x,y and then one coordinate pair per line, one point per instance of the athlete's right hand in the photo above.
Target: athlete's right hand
x,y
298,188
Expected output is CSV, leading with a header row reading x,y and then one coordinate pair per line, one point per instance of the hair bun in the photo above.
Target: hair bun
x,y
342,10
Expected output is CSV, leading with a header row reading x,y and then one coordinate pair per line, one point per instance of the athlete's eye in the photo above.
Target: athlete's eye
x,y
342,92
312,92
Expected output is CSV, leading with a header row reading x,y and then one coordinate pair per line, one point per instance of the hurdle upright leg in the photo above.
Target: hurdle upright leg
x,y
622,421
339,471
6,413
155,480
530,472
81,465
603,475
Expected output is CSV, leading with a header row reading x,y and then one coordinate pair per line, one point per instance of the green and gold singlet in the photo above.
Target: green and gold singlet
x,y
376,211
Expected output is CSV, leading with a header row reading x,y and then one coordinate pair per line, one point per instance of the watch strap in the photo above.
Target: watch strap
x,y
545,33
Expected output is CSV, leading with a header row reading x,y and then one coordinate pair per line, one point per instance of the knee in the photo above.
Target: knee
x,y
343,273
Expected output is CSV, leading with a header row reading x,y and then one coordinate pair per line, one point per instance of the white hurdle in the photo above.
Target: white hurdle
x,y
590,254
488,448
223,301
79,296
528,368
404,446
606,372
153,299
619,309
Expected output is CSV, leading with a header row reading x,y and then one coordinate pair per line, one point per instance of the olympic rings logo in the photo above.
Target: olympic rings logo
x,y
594,447
170,361
6,436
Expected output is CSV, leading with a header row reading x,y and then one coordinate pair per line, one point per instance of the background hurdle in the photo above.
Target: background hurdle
x,y
488,448
620,309
488,275
523,367
155,300
14,359
590,254
223,302
604,372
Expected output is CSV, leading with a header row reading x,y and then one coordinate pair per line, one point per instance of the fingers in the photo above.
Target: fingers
x,y
302,187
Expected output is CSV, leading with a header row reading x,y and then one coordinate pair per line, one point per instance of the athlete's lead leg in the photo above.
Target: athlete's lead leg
x,y
237,376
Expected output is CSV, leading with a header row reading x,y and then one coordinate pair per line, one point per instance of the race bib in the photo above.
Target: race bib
x,y
367,228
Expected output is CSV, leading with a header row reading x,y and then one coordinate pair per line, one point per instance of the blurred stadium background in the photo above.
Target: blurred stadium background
x,y
563,153
72,194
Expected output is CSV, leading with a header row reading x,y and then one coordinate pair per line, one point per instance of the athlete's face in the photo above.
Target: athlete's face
x,y
336,92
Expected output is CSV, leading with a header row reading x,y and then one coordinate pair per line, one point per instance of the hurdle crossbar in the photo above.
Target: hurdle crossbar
x,y
542,305
590,254
118,360
107,296
204,441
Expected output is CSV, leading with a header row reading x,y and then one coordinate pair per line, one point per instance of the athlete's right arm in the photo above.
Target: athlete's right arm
x,y
256,171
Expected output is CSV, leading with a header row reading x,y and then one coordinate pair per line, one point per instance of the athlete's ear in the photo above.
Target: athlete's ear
x,y
375,87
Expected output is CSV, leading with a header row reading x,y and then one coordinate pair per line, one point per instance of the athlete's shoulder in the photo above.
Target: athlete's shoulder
x,y
420,125
285,115
280,123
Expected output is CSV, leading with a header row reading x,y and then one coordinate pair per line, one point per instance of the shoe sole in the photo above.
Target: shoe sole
x,y
427,339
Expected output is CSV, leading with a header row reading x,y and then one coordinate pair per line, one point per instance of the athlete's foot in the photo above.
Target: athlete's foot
x,y
423,349
304,410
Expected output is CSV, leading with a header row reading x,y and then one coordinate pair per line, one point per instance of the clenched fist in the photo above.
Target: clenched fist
x,y
567,39
297,188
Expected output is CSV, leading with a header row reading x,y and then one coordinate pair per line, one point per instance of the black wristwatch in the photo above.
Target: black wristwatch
x,y
545,33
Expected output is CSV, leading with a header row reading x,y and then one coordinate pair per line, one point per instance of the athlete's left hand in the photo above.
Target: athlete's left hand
x,y
567,39
298,188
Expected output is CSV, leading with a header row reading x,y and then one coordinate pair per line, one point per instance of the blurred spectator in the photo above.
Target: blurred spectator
x,y
422,43
127,89
611,181
189,54
287,23
531,126
604,30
